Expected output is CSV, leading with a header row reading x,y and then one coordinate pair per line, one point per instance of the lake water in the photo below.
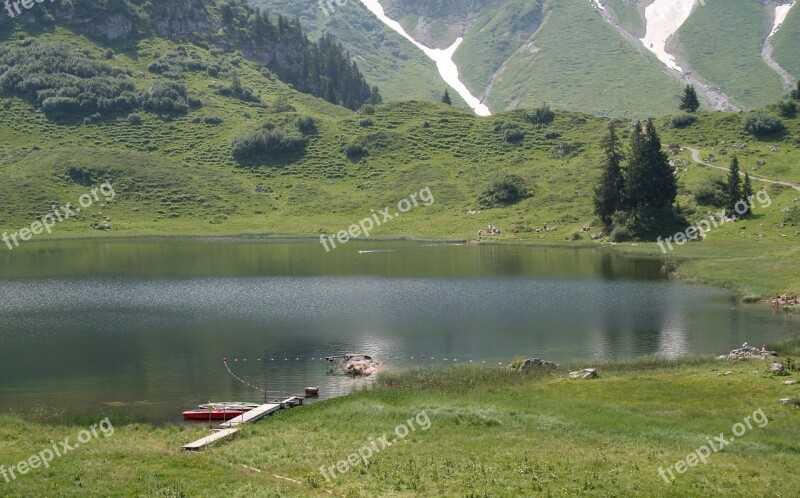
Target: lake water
x,y
141,326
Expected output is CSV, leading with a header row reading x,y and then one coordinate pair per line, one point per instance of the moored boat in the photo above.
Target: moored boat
x,y
225,414
229,405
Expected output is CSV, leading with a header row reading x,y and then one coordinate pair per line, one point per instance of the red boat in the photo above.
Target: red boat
x,y
212,414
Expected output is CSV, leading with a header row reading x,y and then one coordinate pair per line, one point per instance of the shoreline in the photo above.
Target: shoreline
x,y
628,249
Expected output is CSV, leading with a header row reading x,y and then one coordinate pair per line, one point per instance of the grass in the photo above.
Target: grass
x,y
577,61
785,41
178,176
492,432
721,39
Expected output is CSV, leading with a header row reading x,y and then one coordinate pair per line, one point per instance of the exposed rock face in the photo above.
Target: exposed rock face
x,y
748,352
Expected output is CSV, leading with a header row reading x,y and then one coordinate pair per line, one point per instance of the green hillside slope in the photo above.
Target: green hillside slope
x,y
722,42
786,42
578,61
175,173
388,60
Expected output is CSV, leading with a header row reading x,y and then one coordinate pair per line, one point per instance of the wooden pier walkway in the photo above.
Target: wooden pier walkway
x,y
231,427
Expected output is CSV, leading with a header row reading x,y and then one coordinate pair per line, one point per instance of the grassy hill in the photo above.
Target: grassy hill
x,y
387,59
785,43
487,430
523,52
721,40
176,174
578,61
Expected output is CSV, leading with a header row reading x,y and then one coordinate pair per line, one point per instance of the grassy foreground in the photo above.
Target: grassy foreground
x,y
491,432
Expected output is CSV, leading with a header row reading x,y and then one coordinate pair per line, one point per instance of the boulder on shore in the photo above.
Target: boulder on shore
x,y
586,373
747,352
529,363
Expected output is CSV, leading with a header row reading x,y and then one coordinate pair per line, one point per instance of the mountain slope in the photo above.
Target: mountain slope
x,y
399,69
515,52
786,43
578,61
722,41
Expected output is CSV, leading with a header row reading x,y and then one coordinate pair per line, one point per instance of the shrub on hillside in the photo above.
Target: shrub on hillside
x,y
73,84
504,191
355,150
541,115
166,97
683,120
712,194
135,118
787,108
762,125
306,125
263,143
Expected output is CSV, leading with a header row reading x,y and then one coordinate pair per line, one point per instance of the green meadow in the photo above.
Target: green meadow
x,y
491,432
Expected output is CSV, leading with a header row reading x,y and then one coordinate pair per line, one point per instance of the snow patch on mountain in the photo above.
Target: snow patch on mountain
x,y
664,19
443,58
781,12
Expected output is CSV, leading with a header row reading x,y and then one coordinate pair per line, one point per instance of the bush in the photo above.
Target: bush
x,y
355,150
504,191
712,194
166,97
762,125
262,143
552,135
212,120
683,120
787,108
368,109
72,83
514,135
135,118
541,115
306,125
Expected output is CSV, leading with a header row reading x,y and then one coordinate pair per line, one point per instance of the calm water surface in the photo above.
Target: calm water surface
x,y
141,326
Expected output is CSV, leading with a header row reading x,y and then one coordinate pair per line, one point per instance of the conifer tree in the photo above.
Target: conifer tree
x,y
747,188
734,186
608,196
649,181
689,101
796,92
446,98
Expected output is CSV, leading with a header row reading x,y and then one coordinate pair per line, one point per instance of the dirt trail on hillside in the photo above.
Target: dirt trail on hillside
x,y
696,158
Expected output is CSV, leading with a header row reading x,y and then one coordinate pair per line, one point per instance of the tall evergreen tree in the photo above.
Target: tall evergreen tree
x,y
446,98
796,92
649,181
689,101
747,188
608,196
734,186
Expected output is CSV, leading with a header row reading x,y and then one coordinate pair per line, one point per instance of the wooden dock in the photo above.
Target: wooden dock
x,y
231,427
